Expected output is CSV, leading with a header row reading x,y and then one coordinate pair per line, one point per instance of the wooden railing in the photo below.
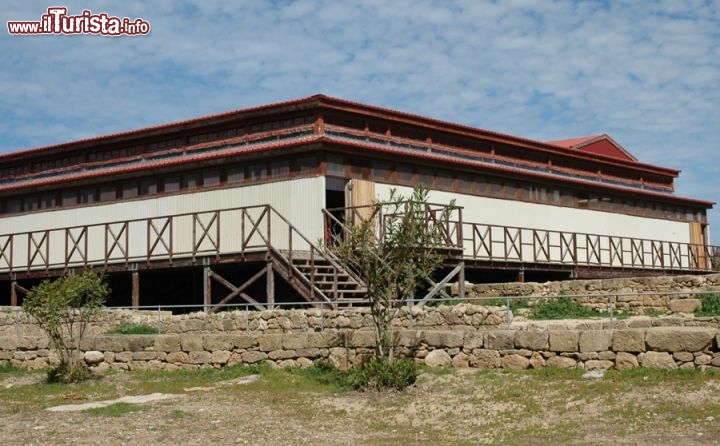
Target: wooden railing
x,y
537,246
170,238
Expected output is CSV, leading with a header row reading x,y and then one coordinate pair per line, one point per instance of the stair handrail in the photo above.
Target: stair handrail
x,y
333,260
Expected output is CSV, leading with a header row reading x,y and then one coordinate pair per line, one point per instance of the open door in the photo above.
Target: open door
x,y
698,242
359,195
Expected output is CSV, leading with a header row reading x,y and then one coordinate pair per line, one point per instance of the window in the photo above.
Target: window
x,y
258,172
13,205
235,175
88,196
211,178
108,193
130,190
68,198
280,168
148,187
191,181
47,201
171,184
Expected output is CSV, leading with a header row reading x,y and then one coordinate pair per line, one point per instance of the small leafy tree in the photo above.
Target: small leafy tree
x,y
63,308
392,249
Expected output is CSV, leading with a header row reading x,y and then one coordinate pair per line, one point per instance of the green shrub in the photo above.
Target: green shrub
x,y
561,307
64,308
67,373
381,373
131,328
709,304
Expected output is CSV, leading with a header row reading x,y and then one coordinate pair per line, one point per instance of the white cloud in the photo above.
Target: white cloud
x,y
646,73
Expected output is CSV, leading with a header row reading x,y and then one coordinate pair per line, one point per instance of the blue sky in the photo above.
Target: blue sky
x,y
647,73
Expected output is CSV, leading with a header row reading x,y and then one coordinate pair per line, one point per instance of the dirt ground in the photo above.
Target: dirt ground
x,y
443,408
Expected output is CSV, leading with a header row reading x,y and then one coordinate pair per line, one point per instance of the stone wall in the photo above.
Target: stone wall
x,y
656,347
14,322
637,294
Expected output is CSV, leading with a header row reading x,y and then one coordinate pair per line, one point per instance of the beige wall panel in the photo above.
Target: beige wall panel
x,y
299,201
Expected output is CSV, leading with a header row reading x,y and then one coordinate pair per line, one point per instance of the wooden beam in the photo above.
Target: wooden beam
x,y
207,287
238,291
270,288
135,289
13,294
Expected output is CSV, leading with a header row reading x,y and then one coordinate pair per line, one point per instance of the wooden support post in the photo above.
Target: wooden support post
x,y
461,281
270,279
207,288
135,289
521,276
13,294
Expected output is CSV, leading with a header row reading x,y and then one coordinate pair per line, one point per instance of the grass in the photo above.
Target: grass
x,y
542,407
709,304
116,410
561,307
133,329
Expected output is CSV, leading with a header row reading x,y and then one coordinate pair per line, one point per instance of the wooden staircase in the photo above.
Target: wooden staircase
x,y
318,278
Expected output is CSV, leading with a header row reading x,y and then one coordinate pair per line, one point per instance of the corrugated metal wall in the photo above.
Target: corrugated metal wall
x,y
299,201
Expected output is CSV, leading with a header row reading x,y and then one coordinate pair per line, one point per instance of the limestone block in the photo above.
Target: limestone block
x,y
123,356
286,363
244,341
253,357
326,339
177,357
303,363
684,305
362,339
515,362
235,359
703,359
531,339
199,357
8,343
625,360
461,361
598,365
111,343
563,340
218,342
140,342
270,342
691,339
443,338
595,340
220,357
500,340
656,360
294,341
341,357
473,340
168,343
93,357
282,355
144,356
308,352
485,359
438,358
632,340
191,343
409,338
683,356
537,361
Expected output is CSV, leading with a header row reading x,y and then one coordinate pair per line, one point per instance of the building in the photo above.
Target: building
x,y
233,206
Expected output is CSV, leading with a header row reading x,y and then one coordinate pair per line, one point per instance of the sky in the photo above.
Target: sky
x,y
645,72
